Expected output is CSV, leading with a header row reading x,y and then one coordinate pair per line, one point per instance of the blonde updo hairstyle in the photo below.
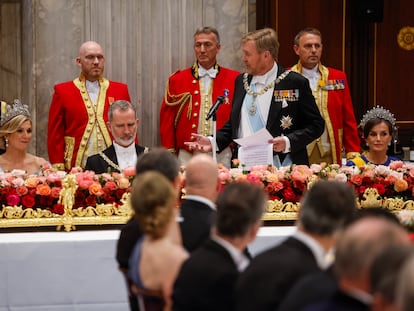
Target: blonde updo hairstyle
x,y
11,127
153,200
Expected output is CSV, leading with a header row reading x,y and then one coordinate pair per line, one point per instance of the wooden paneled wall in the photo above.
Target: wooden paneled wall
x,y
379,71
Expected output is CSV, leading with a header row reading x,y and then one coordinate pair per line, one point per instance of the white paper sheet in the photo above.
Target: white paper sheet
x,y
255,149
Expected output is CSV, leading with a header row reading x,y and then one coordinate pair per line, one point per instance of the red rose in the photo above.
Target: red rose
x,y
58,209
288,195
380,188
119,193
91,201
28,201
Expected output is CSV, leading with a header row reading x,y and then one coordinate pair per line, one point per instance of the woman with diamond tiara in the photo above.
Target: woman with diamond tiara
x,y
378,126
15,137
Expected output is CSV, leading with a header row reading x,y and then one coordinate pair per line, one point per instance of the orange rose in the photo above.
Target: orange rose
x,y
400,185
95,188
43,189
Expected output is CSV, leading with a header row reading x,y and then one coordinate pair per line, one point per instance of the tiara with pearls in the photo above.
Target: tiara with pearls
x,y
13,110
378,112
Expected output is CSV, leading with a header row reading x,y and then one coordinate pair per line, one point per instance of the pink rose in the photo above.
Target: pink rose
x,y
356,179
123,183
22,190
110,186
13,200
129,171
55,192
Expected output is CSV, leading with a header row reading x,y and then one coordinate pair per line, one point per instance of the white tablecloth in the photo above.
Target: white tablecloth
x,y
74,271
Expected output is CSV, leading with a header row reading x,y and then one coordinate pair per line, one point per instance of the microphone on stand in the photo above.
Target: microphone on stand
x,y
215,107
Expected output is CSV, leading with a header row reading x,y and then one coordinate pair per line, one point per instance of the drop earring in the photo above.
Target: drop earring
x,y
6,142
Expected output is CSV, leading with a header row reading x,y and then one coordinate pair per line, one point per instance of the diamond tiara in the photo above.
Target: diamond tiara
x,y
13,110
378,112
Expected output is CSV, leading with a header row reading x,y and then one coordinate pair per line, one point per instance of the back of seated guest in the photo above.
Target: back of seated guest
x,y
164,162
15,137
199,205
156,258
206,280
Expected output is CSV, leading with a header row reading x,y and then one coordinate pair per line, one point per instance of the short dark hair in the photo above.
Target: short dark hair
x,y
312,31
160,160
121,105
327,207
239,206
207,30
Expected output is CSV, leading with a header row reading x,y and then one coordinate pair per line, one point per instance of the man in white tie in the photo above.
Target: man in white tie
x,y
78,111
123,152
189,95
331,91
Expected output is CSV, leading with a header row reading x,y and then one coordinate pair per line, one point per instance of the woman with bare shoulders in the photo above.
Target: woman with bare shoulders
x,y
156,258
15,137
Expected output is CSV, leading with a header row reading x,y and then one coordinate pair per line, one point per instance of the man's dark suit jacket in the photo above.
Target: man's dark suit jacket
x,y
196,224
307,122
311,289
340,301
206,280
98,164
271,274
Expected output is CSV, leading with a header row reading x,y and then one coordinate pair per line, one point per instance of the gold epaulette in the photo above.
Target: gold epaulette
x,y
178,100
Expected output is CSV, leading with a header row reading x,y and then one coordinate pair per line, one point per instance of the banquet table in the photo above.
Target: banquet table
x,y
75,271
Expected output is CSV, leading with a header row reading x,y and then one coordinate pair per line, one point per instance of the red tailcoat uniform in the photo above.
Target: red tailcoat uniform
x,y
335,105
74,121
183,105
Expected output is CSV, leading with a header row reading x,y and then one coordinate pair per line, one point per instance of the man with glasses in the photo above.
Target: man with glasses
x,y
79,111
189,95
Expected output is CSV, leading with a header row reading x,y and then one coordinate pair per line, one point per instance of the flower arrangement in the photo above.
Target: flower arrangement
x,y
288,184
43,190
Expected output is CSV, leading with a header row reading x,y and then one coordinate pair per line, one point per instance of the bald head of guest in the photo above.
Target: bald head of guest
x,y
91,60
201,177
360,244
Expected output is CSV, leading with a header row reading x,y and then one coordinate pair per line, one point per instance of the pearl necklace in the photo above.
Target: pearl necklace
x,y
253,108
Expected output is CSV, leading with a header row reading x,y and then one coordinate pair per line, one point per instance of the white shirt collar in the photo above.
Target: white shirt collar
x,y
267,78
317,249
93,89
238,257
126,156
311,73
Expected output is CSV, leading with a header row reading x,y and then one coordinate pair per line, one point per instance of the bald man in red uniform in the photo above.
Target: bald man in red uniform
x,y
191,92
79,111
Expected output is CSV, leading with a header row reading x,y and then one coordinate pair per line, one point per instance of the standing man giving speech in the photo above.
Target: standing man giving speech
x,y
268,96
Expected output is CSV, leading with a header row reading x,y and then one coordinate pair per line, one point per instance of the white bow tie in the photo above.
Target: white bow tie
x,y
211,72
